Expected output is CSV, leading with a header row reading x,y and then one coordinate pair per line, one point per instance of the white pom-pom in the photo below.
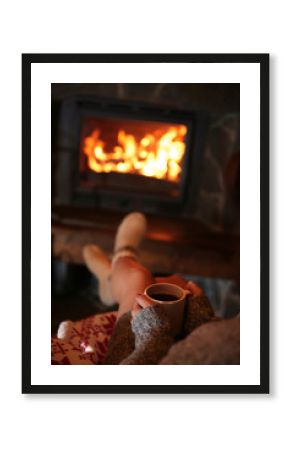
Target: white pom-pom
x,y
64,330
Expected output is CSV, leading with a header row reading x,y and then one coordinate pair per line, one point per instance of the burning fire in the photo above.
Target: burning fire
x,y
157,154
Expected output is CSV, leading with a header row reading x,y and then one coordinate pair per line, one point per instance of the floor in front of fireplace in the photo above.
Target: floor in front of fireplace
x,y
74,294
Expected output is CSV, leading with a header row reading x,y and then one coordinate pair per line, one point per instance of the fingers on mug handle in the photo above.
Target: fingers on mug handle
x,y
143,300
195,289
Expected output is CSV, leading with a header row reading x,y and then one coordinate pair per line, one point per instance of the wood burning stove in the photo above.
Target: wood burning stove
x,y
125,156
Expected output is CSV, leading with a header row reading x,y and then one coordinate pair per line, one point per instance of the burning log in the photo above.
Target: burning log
x,y
157,154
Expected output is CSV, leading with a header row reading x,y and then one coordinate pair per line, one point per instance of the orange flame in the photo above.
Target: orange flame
x,y
155,155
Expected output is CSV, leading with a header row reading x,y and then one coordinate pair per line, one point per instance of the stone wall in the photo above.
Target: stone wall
x,y
216,204
210,97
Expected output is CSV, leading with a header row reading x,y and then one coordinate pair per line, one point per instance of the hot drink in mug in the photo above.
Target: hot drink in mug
x,y
171,298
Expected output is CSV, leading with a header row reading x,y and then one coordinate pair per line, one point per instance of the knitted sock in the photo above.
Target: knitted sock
x,y
99,264
129,235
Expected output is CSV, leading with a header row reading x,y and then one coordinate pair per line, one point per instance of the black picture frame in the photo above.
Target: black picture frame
x,y
27,61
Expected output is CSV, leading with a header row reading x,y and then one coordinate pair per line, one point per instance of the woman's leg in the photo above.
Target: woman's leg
x,y
128,279
118,283
125,277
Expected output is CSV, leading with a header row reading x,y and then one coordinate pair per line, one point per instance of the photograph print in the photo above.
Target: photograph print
x,y
147,187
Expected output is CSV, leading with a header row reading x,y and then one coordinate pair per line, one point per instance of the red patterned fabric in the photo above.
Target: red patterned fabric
x,y
85,342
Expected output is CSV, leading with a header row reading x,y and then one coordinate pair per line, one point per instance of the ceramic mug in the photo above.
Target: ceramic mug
x,y
171,298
